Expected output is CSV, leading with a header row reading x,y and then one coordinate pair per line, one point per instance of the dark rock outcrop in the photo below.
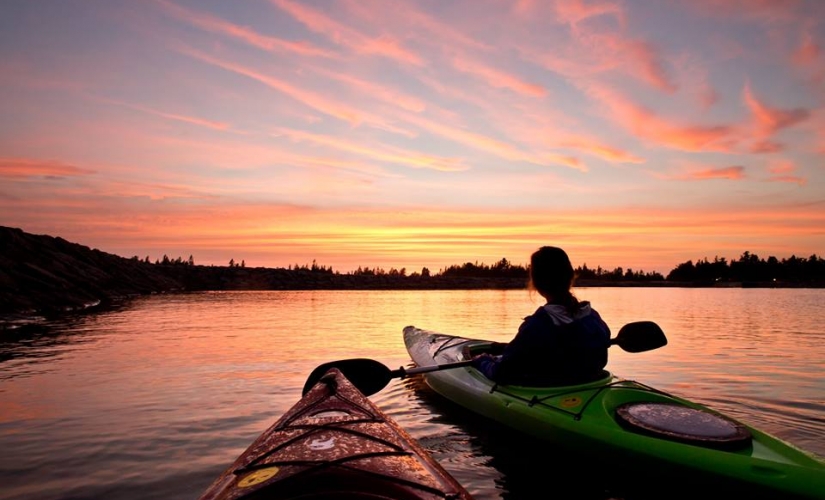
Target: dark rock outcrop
x,y
46,275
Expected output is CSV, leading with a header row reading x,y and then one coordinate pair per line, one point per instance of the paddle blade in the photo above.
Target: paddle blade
x,y
640,336
367,375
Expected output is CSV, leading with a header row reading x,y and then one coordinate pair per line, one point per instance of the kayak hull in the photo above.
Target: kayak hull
x,y
591,419
335,443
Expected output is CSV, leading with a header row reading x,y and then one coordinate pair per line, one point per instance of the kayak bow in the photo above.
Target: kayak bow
x,y
335,444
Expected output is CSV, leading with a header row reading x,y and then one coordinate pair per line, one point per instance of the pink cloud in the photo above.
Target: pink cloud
x,y
588,55
782,170
566,160
214,24
644,57
316,21
575,11
497,78
524,7
386,154
389,95
792,179
647,125
481,142
312,99
766,146
807,52
600,150
574,66
27,167
391,48
731,173
782,167
201,122
770,119
404,17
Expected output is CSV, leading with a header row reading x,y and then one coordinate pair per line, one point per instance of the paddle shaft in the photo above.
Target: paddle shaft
x,y
404,372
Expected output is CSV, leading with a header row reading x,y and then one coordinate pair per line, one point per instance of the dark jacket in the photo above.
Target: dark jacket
x,y
552,348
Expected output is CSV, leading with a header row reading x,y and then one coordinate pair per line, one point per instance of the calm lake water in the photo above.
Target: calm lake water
x,y
155,398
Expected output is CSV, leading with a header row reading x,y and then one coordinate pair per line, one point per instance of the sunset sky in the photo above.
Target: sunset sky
x,y
414,134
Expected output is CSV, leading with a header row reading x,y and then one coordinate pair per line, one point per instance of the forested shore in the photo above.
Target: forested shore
x,y
41,274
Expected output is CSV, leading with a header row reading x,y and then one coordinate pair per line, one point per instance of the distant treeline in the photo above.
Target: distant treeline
x,y
749,268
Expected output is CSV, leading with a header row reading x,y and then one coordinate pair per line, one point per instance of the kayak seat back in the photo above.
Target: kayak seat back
x,y
684,424
496,348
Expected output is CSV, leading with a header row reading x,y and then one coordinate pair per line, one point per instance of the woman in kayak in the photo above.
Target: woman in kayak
x,y
563,342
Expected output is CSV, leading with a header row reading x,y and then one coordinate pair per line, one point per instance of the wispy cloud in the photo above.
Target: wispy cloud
x,y
782,171
605,152
497,147
29,167
808,50
729,173
416,23
318,22
317,101
590,54
193,120
647,125
386,154
497,78
576,11
245,34
768,119
395,96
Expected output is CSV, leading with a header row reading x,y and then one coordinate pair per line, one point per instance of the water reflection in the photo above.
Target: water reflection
x,y
28,346
155,398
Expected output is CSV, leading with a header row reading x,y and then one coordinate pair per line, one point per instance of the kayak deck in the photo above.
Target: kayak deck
x,y
598,417
335,443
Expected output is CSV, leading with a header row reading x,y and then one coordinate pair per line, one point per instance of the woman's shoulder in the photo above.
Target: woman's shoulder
x,y
538,313
539,319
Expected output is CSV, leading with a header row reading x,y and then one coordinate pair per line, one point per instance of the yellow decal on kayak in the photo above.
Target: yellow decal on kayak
x,y
257,477
571,401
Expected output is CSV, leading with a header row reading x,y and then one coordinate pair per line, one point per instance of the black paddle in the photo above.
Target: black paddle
x,y
370,376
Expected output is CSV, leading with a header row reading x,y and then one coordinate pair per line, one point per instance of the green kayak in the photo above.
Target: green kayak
x,y
625,422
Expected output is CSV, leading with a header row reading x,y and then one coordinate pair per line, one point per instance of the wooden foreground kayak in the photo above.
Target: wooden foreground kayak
x,y
335,443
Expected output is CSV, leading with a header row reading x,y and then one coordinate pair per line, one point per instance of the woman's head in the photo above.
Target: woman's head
x,y
551,273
